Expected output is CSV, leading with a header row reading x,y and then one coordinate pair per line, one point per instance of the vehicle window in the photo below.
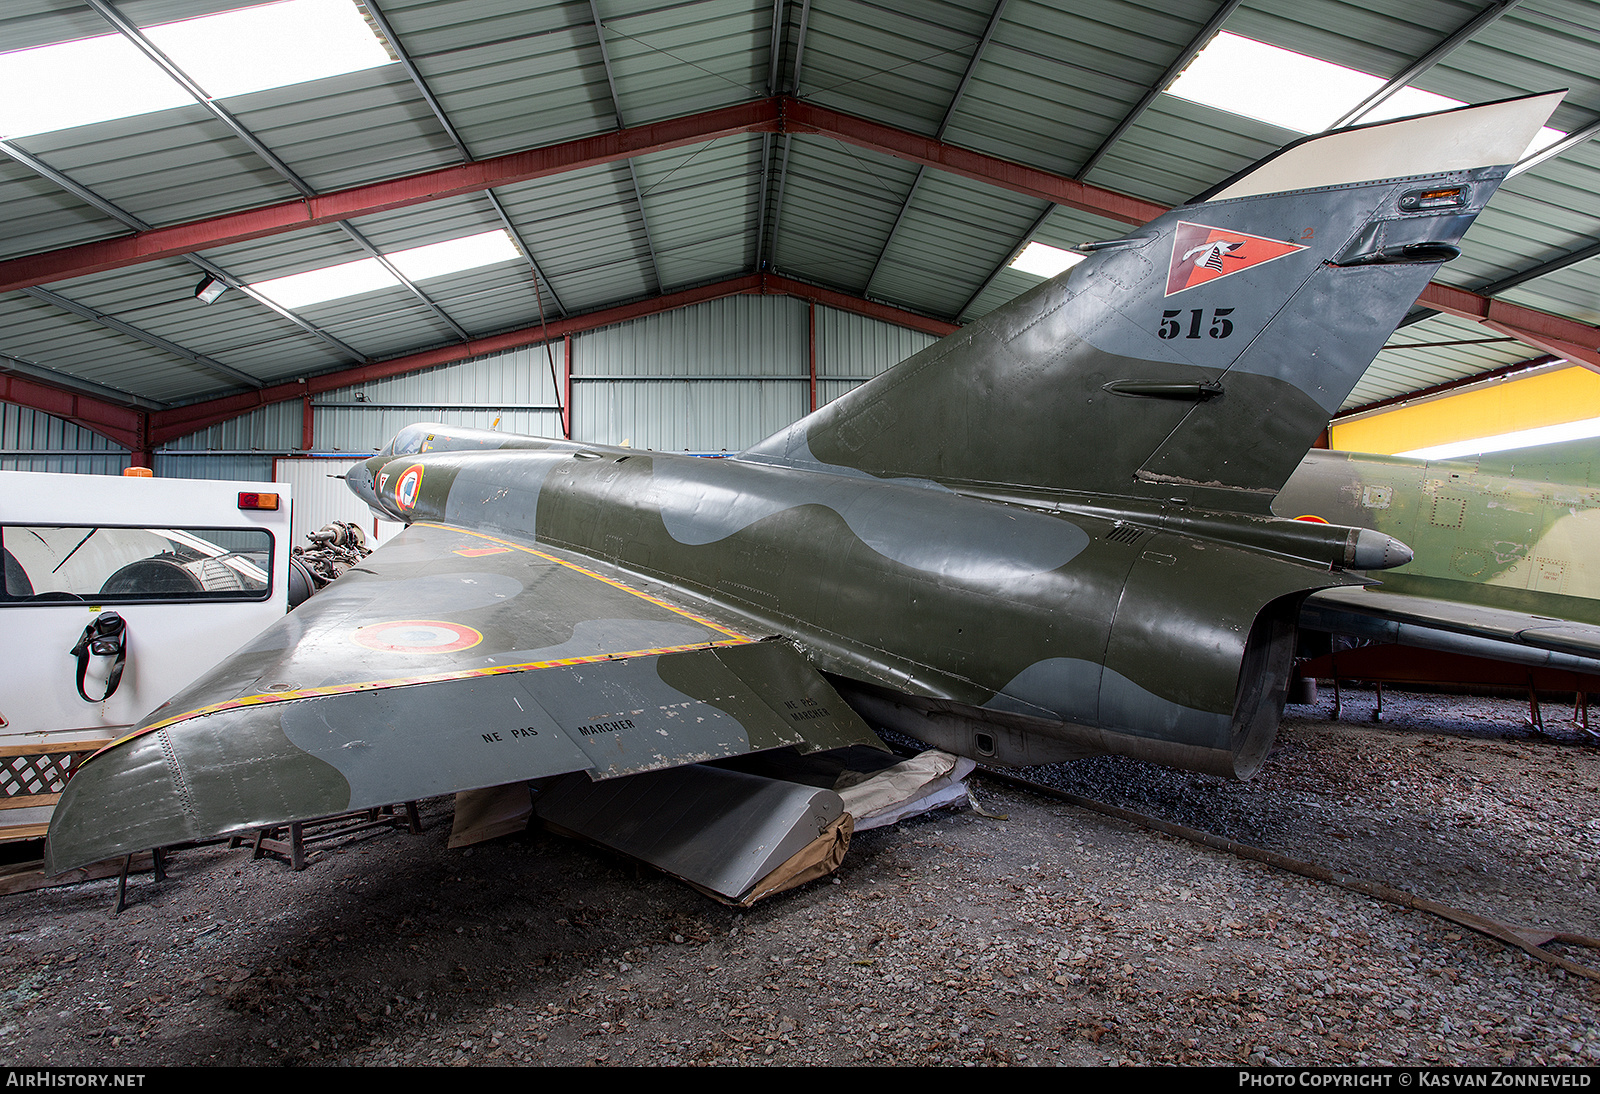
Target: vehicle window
x,y
45,563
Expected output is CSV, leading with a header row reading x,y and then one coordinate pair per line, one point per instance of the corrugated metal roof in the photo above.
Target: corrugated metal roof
x,y
40,216
671,59
839,203
1434,351
1062,227
701,205
954,232
345,130
1057,78
898,62
1040,82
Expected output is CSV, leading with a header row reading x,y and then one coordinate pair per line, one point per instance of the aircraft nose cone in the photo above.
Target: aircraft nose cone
x,y
359,480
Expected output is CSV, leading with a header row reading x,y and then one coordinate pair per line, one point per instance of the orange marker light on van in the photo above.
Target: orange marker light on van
x,y
248,500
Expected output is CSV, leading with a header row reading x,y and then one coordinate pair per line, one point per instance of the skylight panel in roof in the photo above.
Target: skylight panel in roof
x,y
1286,89
328,283
370,275
455,255
271,45
231,53
1043,260
1296,92
75,83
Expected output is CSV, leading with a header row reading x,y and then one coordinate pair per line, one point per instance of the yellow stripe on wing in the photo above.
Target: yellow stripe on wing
x,y
407,681
734,639
590,573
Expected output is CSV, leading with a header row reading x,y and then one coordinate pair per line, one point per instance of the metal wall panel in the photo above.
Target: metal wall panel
x,y
269,430
738,335
717,377
511,391
365,430
68,463
687,416
676,382
318,495
31,440
852,348
214,465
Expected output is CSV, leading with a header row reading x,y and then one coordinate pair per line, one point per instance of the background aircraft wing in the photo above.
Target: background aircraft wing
x,y
448,660
1348,610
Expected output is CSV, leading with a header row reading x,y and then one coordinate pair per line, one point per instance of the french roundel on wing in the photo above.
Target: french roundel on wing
x,y
417,636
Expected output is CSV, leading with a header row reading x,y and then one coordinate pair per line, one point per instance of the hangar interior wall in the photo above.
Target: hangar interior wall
x,y
31,440
1550,396
715,377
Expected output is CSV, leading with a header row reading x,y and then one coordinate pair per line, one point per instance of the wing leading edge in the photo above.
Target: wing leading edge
x,y
449,660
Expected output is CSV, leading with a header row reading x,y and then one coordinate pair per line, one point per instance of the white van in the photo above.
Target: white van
x,y
117,593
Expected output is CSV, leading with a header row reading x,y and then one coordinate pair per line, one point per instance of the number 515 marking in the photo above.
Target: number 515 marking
x,y
1172,327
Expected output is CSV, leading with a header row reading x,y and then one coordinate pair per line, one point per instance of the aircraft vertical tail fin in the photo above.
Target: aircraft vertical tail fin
x,y
1200,357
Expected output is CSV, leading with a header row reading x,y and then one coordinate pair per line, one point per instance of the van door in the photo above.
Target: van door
x,y
116,594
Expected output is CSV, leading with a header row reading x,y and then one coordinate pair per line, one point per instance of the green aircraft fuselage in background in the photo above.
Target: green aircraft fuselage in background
x,y
1515,530
1504,574
1046,536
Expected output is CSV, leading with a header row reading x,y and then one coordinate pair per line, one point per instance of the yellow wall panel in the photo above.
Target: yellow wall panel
x,y
1567,394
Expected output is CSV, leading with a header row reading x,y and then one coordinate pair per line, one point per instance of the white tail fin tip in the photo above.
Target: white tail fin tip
x,y
1455,140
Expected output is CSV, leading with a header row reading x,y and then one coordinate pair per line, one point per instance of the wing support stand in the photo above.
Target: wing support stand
x,y
290,840
158,858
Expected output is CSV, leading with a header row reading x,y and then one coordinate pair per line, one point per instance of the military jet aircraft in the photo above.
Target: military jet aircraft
x,y
1046,536
1505,569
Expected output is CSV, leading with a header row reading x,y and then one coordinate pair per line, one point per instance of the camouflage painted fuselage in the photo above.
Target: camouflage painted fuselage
x,y
1024,631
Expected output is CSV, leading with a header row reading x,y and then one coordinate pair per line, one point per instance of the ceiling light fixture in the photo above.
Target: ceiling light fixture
x,y
209,289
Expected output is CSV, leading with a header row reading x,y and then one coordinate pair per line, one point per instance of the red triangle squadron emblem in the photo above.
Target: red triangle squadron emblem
x,y
1201,253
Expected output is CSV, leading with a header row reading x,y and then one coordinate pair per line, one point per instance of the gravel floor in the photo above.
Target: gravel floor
x,y
1055,936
